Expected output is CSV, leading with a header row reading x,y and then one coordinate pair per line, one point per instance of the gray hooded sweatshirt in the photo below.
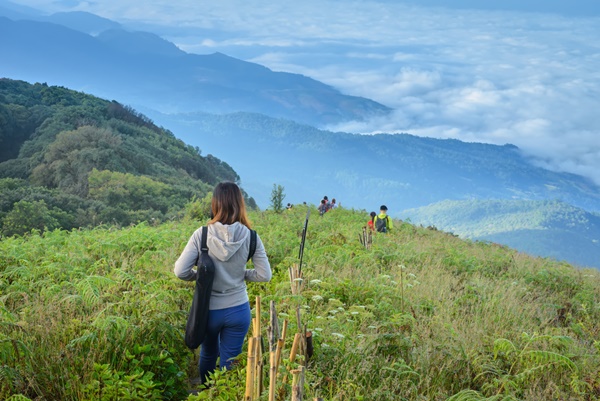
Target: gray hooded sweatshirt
x,y
228,247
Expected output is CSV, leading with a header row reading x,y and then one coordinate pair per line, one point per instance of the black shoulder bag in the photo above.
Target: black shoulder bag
x,y
195,329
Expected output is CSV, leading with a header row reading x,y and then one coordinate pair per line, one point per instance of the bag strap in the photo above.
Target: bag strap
x,y
252,244
203,246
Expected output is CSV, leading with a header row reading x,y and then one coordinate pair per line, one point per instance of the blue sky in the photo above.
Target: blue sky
x,y
521,72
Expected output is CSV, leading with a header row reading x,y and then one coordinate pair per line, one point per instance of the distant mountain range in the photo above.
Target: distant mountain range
x,y
544,228
403,171
143,69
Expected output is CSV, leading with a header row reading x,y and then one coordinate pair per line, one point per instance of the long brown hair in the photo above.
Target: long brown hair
x,y
228,205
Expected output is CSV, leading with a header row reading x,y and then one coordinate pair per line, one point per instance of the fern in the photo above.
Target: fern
x,y
546,358
90,288
472,395
502,345
18,397
84,340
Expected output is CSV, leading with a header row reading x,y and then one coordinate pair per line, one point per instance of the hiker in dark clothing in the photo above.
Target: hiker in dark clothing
x,y
382,221
322,207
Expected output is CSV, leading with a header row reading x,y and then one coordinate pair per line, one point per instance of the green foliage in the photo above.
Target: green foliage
x,y
277,197
59,142
422,315
199,209
27,216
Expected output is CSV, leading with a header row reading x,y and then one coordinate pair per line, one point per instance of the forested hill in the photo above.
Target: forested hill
x,y
68,159
544,228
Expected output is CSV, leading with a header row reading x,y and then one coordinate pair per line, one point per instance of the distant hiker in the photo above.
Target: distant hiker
x,y
382,222
371,223
289,206
322,207
327,203
333,204
228,242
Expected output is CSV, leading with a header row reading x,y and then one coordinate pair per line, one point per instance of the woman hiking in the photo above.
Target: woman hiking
x,y
228,243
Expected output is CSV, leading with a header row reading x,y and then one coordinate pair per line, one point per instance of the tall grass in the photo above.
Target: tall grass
x,y
422,315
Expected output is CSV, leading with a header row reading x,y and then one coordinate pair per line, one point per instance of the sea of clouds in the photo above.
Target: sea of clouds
x,y
496,76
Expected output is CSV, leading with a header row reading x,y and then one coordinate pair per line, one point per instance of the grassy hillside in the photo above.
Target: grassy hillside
x,y
68,160
547,228
422,315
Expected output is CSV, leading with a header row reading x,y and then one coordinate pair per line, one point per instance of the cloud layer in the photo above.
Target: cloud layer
x,y
527,78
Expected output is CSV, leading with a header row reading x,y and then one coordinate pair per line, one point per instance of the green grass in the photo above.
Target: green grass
x,y
99,315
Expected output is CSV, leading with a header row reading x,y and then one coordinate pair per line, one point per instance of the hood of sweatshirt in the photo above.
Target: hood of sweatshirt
x,y
226,239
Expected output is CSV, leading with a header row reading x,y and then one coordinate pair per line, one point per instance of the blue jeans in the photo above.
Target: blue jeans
x,y
226,331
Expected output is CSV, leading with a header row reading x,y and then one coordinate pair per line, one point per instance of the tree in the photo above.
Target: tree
x,y
277,197
26,216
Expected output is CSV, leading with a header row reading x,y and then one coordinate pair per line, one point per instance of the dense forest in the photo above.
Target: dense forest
x,y
544,228
68,159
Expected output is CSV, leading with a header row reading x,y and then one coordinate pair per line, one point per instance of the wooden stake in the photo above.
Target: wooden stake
x,y
295,346
250,369
309,345
273,333
258,361
298,384
296,280
256,325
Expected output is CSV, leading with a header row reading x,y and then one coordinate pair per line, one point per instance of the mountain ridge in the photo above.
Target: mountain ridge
x,y
142,68
401,170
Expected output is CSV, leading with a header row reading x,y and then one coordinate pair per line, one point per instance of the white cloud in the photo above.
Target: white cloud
x,y
531,79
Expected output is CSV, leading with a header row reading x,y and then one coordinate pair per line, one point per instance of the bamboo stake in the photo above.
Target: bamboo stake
x,y
250,369
258,361
280,345
295,346
298,384
296,280
256,321
273,333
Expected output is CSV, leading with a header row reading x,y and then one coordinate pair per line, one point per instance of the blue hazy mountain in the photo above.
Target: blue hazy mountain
x,y
142,68
17,11
83,22
403,171
544,228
